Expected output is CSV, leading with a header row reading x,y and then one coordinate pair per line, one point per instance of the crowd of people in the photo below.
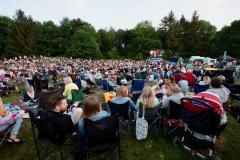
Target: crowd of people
x,y
168,83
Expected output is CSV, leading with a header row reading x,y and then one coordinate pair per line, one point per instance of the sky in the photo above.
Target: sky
x,y
124,14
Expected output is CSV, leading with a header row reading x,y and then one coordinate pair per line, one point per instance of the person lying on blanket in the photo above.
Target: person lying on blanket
x,y
6,119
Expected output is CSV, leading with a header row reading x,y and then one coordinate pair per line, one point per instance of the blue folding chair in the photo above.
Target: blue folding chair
x,y
61,85
78,83
200,88
137,85
106,86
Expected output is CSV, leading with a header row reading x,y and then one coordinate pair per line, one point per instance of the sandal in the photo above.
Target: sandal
x,y
15,141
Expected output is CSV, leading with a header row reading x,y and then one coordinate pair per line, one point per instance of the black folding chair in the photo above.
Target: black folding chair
x,y
38,135
152,116
173,120
123,112
135,97
4,134
44,84
102,137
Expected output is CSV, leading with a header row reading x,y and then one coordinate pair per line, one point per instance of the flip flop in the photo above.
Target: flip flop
x,y
12,141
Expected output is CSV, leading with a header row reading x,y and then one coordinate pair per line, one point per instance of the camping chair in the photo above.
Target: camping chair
x,y
78,83
102,137
77,96
235,91
37,131
137,85
200,88
152,116
44,84
122,111
5,132
61,85
173,118
106,86
135,97
202,126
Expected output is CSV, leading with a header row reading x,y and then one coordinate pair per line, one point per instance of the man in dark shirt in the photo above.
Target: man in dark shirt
x,y
56,124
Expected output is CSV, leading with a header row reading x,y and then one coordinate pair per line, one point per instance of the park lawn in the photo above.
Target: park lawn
x,y
154,147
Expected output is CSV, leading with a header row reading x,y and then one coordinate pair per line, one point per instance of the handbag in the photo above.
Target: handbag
x,y
141,127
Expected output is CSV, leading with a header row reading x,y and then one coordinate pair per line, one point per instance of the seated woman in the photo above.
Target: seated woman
x,y
216,88
183,84
147,99
30,95
7,118
92,110
174,95
69,86
122,97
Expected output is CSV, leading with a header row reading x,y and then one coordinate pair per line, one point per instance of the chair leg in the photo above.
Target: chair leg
x,y
36,143
61,154
119,152
5,136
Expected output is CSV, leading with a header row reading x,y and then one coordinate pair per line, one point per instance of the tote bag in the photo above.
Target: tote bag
x,y
141,127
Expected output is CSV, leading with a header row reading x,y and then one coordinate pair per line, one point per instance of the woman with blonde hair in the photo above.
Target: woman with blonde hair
x,y
174,95
147,99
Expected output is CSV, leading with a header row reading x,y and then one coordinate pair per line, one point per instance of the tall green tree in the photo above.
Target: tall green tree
x,y
84,44
228,39
21,39
5,25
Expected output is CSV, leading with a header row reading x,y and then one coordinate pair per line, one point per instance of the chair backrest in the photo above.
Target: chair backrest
x,y
200,88
77,95
159,96
42,123
174,111
205,121
137,85
106,86
61,85
135,97
102,131
150,113
120,110
78,83
44,84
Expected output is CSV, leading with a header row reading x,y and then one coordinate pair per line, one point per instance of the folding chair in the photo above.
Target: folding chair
x,y
135,97
78,83
152,116
106,86
77,96
5,132
102,137
173,118
61,85
39,136
137,85
44,84
200,88
122,111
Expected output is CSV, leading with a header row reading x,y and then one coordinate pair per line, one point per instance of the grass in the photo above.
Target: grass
x,y
154,147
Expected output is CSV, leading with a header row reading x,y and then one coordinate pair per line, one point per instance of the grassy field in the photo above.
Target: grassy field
x,y
154,147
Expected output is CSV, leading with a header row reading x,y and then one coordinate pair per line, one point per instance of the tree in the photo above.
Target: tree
x,y
228,39
21,39
170,33
5,25
50,39
84,45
